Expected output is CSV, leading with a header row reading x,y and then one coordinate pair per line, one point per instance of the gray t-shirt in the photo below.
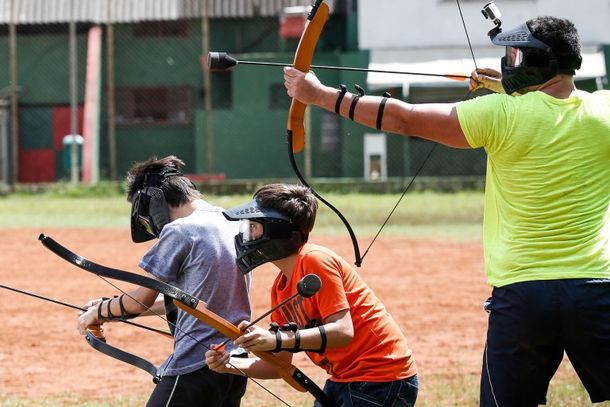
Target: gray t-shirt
x,y
197,254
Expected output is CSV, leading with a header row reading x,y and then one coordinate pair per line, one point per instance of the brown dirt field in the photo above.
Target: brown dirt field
x,y
434,290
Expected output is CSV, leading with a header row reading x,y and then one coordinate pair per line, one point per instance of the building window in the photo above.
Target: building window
x,y
177,28
153,105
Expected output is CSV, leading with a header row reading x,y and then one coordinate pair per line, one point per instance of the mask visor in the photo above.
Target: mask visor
x,y
245,230
514,57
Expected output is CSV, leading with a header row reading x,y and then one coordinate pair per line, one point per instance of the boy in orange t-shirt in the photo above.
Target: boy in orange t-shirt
x,y
344,328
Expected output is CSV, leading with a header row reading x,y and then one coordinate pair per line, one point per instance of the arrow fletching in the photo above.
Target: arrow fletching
x,y
458,77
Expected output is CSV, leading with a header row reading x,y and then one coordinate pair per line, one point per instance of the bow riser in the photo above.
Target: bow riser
x,y
302,61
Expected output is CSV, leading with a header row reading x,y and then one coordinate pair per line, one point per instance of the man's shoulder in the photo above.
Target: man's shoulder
x,y
489,102
602,93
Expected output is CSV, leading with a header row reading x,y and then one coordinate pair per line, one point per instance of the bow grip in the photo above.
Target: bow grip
x,y
96,330
295,127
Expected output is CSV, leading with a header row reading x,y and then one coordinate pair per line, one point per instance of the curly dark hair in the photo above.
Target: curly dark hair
x,y
177,189
561,35
297,202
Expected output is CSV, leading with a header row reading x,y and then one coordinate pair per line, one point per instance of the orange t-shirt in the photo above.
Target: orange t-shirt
x,y
379,350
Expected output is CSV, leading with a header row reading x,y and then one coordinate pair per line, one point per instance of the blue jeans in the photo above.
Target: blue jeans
x,y
400,393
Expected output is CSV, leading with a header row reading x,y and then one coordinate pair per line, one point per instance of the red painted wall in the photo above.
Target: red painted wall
x,y
39,165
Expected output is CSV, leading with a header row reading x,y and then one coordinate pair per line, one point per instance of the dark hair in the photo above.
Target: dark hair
x,y
295,201
561,35
177,189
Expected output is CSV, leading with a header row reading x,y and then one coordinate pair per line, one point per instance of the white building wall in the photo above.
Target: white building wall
x,y
120,11
386,24
428,35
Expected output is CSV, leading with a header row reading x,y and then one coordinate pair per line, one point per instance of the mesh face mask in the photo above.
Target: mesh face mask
x,y
517,71
149,209
279,237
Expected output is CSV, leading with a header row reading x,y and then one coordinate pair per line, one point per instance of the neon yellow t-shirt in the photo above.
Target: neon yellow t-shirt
x,y
547,197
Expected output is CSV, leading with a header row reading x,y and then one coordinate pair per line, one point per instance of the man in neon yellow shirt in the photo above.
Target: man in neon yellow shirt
x,y
547,212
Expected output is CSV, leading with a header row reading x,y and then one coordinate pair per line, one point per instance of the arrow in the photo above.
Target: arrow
x,y
65,304
221,61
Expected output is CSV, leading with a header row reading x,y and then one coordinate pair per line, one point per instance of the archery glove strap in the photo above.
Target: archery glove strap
x,y
293,327
342,92
352,107
323,338
100,318
386,95
108,312
274,327
124,315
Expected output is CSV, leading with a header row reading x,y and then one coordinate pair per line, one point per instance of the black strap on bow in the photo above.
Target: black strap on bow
x,y
98,343
96,339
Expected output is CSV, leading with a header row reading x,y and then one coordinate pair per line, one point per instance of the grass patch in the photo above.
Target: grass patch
x,y
419,214
435,390
565,390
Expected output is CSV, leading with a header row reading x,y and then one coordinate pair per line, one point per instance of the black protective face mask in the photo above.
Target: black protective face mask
x,y
279,240
149,209
522,76
149,213
518,71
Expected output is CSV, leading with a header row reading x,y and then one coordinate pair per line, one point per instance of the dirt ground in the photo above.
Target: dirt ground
x,y
434,290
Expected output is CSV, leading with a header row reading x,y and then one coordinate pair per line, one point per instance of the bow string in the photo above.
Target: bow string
x,y
96,339
295,129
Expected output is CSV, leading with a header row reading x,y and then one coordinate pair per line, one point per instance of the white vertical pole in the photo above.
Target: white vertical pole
x,y
73,101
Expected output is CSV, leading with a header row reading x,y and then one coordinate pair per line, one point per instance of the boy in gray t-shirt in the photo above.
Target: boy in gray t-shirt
x,y
195,252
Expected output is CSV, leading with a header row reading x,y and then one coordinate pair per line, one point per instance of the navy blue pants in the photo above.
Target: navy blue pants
x,y
531,325
400,393
202,387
